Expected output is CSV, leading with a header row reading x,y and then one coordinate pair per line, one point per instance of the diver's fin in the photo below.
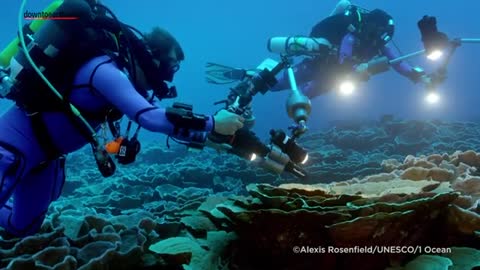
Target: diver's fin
x,y
221,74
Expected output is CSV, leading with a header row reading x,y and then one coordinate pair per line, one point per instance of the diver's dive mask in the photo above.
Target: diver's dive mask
x,y
157,70
167,67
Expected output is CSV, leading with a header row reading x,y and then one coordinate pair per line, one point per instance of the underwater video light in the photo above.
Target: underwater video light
x,y
295,152
253,156
347,88
435,55
432,97
434,41
435,45
305,159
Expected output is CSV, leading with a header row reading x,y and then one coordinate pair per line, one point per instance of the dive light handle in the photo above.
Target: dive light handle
x,y
220,138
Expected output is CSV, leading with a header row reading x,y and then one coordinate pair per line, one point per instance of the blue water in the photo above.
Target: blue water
x,y
235,33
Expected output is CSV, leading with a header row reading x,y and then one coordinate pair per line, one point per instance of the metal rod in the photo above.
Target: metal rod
x,y
407,56
404,57
470,40
291,78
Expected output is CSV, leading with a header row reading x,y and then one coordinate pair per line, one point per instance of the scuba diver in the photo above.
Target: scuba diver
x,y
346,42
102,71
342,47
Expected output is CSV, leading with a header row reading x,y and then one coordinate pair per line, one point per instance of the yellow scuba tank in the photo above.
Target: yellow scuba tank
x,y
12,48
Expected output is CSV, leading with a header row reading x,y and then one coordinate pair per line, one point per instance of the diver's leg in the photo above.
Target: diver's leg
x,y
322,83
12,169
32,198
304,72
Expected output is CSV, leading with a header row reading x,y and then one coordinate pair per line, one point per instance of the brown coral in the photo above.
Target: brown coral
x,y
316,216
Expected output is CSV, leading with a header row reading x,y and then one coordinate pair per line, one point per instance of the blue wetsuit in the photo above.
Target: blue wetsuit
x,y
316,76
33,181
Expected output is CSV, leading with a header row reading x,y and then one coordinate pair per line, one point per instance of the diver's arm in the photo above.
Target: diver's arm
x,y
346,48
402,67
117,89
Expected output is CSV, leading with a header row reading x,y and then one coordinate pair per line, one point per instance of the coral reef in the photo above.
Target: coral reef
x,y
377,184
356,149
302,226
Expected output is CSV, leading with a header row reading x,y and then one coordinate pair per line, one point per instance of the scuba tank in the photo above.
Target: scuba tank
x,y
59,48
297,45
12,48
6,55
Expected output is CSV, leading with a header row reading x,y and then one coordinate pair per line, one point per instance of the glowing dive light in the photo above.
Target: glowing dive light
x,y
435,55
305,159
432,97
253,156
347,88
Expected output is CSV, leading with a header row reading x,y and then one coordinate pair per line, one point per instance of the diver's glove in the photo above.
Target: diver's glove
x,y
427,25
417,75
426,81
362,72
227,123
431,81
